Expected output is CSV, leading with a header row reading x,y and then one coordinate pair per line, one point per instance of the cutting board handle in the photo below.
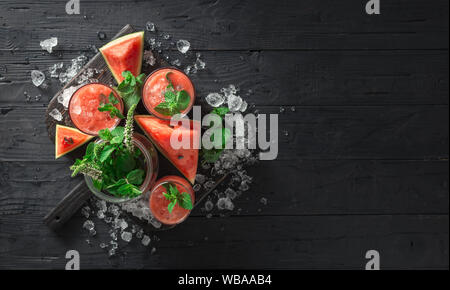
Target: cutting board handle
x,y
66,208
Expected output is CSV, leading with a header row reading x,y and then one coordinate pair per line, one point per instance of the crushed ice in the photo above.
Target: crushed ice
x,y
49,44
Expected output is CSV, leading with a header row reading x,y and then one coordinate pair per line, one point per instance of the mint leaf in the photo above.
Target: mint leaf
x,y
183,100
130,88
106,152
116,140
171,205
105,134
112,99
221,111
136,176
118,131
185,201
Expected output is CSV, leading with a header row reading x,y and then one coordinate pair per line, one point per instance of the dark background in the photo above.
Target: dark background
x,y
364,165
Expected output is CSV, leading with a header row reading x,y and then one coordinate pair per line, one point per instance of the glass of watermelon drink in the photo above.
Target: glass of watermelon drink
x,y
159,204
155,87
150,165
83,108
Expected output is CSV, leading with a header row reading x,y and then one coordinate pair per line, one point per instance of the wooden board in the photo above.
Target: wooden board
x,y
59,215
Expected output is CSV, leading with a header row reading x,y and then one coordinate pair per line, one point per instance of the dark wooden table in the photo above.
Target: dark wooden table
x,y
364,165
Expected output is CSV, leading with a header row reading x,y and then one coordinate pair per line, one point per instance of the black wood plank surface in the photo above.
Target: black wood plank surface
x,y
363,159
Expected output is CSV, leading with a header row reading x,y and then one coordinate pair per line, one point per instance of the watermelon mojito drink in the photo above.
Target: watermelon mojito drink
x,y
168,91
171,200
84,108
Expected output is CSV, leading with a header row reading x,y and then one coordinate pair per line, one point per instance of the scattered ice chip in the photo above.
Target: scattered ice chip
x,y
101,35
234,103
88,225
286,133
183,45
199,64
37,77
123,224
229,204
244,186
281,110
293,108
126,236
54,69
188,69
145,240
55,114
48,44
85,211
176,62
215,99
103,245
113,236
209,184
65,96
153,251
150,26
243,107
111,252
209,205
263,200
221,203
200,178
149,58
166,36
197,187
230,193
101,214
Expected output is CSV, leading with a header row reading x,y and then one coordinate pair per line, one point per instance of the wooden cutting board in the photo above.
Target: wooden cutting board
x,y
73,201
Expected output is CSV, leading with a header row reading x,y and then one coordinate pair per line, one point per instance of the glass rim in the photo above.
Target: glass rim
x,y
157,114
148,175
116,94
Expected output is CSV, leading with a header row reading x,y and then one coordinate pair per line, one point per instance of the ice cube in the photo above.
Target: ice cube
x,y
37,77
215,99
145,240
209,184
244,186
150,26
263,200
123,224
54,69
230,193
229,204
55,114
243,107
200,178
176,62
199,64
101,214
166,36
209,205
221,203
85,211
234,103
126,236
197,187
88,225
111,252
183,45
48,44
65,96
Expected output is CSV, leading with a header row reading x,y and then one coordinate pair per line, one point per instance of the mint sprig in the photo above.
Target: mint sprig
x,y
174,101
213,154
174,196
113,111
130,88
112,164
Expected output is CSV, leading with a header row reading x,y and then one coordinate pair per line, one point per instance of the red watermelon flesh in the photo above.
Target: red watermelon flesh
x,y
159,131
68,139
124,54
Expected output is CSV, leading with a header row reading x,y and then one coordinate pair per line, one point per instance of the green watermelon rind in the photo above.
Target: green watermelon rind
x,y
136,117
119,40
89,137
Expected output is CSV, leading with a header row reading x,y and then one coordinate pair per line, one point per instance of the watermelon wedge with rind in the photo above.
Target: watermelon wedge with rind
x,y
124,54
159,132
68,139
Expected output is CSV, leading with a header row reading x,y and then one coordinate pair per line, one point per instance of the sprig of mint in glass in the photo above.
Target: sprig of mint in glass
x,y
113,164
213,154
174,101
113,111
173,195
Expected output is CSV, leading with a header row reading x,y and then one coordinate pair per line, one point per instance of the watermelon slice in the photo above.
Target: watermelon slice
x,y
159,131
124,53
68,139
